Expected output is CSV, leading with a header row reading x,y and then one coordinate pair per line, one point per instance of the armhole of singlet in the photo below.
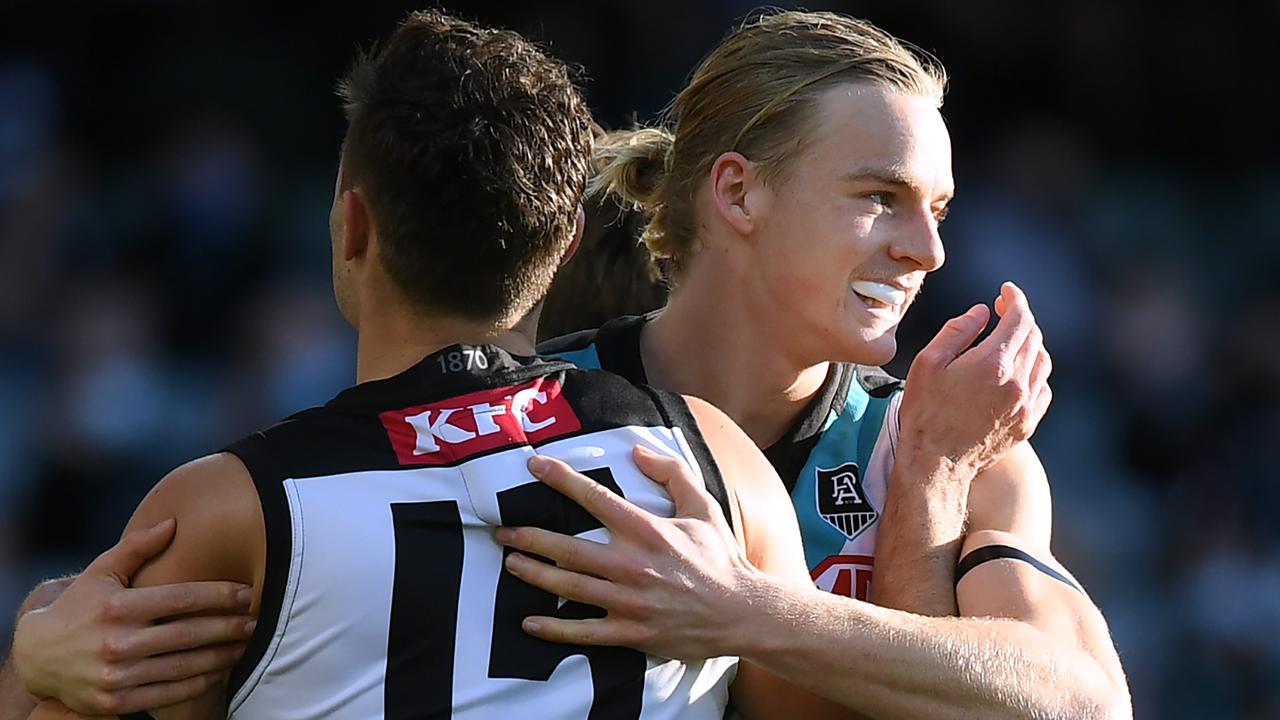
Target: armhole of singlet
x,y
618,348
269,481
675,413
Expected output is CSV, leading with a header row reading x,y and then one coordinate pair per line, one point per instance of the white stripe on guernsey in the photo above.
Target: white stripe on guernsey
x,y
893,423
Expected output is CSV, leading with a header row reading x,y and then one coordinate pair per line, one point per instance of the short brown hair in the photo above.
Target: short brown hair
x,y
473,149
755,94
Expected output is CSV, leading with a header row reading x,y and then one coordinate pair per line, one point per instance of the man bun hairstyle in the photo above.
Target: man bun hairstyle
x,y
472,148
755,93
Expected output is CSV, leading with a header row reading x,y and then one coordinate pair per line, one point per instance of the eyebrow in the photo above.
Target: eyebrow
x,y
889,177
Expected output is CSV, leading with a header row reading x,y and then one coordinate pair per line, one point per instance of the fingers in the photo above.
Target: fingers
x,y
162,601
603,504
568,552
1041,369
1015,324
173,667
689,495
1028,356
158,695
956,335
594,631
563,583
1043,398
134,549
178,635
53,710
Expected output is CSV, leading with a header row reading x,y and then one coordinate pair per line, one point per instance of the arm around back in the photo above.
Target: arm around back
x,y
219,536
770,536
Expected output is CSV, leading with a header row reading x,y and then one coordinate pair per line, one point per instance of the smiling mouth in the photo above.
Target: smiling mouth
x,y
878,294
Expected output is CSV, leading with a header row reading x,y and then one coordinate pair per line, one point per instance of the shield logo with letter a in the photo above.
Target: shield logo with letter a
x,y
841,500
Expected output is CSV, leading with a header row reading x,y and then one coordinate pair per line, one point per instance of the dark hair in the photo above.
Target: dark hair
x,y
473,148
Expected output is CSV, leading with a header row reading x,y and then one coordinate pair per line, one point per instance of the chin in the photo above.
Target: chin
x,y
867,348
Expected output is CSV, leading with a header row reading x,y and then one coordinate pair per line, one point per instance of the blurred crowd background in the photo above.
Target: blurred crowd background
x,y
166,170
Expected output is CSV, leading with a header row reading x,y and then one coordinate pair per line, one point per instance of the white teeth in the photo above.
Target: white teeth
x,y
887,294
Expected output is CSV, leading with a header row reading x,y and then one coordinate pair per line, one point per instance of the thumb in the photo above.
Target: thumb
x,y
691,499
959,332
134,549
50,709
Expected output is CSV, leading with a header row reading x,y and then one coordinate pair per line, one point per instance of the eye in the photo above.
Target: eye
x,y
941,214
883,199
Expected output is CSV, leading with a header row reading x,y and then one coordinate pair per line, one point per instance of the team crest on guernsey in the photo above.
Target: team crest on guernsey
x,y
841,500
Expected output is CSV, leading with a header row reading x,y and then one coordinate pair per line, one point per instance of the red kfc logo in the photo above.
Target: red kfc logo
x,y
452,430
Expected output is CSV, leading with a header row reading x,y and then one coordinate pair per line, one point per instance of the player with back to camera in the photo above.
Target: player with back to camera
x,y
798,197
365,527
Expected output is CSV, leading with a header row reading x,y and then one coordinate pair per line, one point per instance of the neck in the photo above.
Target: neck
x,y
392,342
740,368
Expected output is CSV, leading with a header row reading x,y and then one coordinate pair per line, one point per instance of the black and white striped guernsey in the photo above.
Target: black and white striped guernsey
x,y
384,593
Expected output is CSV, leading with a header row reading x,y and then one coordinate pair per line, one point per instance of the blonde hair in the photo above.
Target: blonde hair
x,y
753,94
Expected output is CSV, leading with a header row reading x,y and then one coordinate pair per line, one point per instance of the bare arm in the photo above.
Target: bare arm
x,y
100,646
962,411
1036,646
1044,653
214,502
210,499
672,624
771,538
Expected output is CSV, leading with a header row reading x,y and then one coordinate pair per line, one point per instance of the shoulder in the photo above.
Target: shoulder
x,y
730,446
221,477
770,533
213,500
1013,497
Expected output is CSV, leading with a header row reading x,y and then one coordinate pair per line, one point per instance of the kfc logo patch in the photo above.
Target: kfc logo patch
x,y
454,429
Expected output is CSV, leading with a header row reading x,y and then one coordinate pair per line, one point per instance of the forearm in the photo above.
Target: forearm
x,y
888,663
920,535
15,702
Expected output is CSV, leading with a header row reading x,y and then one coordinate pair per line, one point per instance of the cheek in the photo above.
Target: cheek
x,y
810,252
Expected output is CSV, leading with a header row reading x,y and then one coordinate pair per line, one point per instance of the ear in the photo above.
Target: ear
x,y
357,229
579,226
734,186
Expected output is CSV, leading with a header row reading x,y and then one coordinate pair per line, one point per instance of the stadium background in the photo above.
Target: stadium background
x,y
166,170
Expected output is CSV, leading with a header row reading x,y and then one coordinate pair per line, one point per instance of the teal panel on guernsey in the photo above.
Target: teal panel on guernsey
x,y
847,437
586,358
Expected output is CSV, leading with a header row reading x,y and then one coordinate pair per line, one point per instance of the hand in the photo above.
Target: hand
x,y
972,405
54,710
669,584
100,647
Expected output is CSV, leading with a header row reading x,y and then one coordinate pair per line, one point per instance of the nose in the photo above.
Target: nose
x,y
920,244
